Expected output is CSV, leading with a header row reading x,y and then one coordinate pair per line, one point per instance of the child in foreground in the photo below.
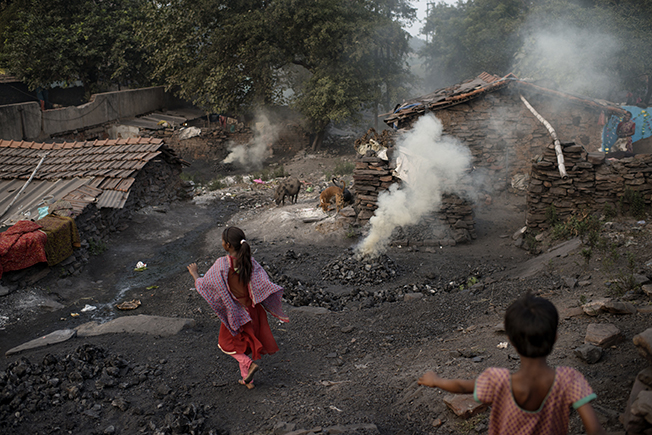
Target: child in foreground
x,y
239,291
537,398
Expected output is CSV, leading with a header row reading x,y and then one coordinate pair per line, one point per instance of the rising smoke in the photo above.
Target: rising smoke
x,y
256,151
577,60
430,165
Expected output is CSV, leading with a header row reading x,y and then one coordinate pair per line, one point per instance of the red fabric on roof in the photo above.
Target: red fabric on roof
x,y
22,246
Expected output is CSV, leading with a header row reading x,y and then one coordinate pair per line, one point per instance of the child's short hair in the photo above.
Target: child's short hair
x,y
531,325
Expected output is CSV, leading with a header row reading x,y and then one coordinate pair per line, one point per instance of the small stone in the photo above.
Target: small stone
x,y
463,405
570,282
109,430
347,329
412,296
602,334
643,343
437,422
617,307
589,353
594,308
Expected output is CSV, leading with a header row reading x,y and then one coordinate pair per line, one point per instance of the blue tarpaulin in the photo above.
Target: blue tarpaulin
x,y
641,118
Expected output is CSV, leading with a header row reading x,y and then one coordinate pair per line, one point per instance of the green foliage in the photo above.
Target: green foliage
x,y
624,279
68,40
582,225
587,253
216,184
583,299
609,211
279,172
463,38
96,246
344,168
327,58
634,201
551,215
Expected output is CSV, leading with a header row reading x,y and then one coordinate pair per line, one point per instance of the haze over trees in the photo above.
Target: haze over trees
x,y
593,47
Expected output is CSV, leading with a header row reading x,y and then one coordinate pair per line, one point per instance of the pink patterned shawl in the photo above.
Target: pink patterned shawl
x,y
213,287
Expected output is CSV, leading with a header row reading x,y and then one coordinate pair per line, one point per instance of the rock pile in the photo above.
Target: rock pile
x,y
593,183
85,382
349,269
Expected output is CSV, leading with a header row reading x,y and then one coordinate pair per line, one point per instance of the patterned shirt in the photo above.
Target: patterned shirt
x,y
494,387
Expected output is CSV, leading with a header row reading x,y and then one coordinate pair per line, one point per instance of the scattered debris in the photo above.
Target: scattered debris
x,y
128,305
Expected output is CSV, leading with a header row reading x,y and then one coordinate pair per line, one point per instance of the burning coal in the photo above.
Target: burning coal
x,y
254,153
429,165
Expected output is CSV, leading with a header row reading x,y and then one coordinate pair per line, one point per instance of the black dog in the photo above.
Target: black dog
x,y
347,196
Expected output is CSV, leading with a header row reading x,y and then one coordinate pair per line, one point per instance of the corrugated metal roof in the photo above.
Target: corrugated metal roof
x,y
37,193
99,171
474,88
112,199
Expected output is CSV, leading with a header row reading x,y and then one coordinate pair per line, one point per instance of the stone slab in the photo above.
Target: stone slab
x,y
52,338
140,324
310,310
463,405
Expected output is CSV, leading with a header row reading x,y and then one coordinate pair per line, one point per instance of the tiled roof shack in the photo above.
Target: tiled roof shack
x,y
82,173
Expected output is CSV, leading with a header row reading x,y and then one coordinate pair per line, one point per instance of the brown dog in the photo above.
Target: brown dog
x,y
326,196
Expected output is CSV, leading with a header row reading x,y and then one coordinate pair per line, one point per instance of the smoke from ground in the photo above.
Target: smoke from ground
x,y
256,151
431,165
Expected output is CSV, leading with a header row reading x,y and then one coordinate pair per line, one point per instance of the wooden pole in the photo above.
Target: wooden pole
x,y
558,151
43,156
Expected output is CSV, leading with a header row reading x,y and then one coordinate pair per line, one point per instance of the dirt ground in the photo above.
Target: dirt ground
x,y
351,369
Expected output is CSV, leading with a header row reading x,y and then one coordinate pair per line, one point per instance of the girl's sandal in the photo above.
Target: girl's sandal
x,y
249,385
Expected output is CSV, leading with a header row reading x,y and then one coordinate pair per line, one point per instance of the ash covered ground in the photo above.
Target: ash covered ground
x,y
361,330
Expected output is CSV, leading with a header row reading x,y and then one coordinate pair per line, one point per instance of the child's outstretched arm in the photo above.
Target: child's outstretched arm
x,y
590,420
458,386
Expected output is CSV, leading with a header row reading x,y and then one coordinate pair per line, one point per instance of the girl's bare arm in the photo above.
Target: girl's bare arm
x,y
457,386
590,420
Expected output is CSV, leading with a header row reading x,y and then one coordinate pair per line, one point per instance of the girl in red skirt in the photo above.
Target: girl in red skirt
x,y
239,291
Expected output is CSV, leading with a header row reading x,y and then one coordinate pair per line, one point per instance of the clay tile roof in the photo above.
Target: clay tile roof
x,y
471,89
109,168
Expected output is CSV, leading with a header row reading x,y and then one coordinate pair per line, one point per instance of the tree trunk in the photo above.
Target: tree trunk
x,y
319,138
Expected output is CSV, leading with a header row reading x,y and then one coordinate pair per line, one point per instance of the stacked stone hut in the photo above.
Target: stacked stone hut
x,y
489,116
593,184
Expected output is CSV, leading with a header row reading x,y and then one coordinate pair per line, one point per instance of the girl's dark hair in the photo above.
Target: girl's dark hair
x,y
531,325
235,237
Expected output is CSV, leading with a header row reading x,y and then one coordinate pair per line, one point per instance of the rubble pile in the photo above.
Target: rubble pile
x,y
349,269
594,183
91,382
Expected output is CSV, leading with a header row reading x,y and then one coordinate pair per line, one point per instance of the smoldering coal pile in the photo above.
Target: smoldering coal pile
x,y
347,270
350,269
81,384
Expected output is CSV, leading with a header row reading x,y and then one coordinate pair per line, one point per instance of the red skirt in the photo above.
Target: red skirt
x,y
255,337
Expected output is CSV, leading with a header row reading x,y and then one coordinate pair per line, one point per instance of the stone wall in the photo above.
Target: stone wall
x,y
592,183
373,175
504,136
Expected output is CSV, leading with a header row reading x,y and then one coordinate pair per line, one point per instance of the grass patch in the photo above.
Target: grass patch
x,y
96,246
635,202
216,184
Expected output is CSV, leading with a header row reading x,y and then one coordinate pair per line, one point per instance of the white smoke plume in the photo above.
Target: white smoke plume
x,y
254,153
430,165
578,60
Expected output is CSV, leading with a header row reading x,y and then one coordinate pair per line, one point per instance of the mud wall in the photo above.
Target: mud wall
x,y
592,183
504,136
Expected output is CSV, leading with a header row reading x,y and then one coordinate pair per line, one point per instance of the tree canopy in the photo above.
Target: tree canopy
x,y
68,40
328,58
